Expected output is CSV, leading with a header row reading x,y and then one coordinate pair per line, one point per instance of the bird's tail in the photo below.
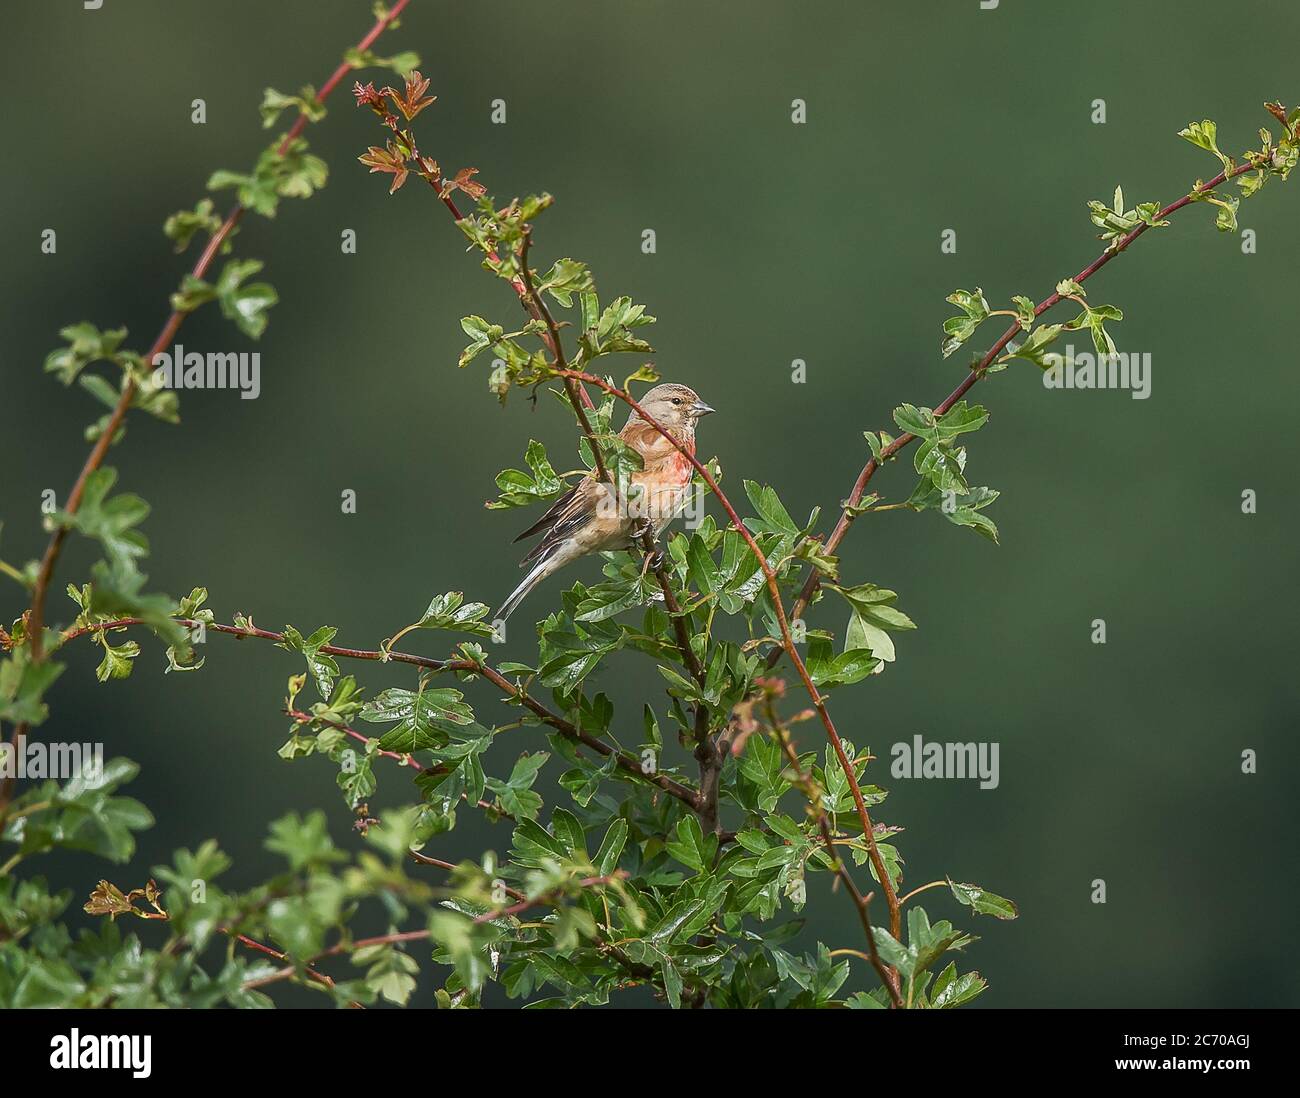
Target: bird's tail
x,y
536,574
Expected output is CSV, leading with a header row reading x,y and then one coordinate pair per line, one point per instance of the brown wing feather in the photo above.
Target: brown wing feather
x,y
552,515
566,517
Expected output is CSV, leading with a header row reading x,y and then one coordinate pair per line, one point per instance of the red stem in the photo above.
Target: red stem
x,y
165,337
977,371
787,641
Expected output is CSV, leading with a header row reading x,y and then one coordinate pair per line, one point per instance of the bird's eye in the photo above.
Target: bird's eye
x,y
677,400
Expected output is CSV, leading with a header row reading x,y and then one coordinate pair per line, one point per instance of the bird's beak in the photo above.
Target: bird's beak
x,y
701,409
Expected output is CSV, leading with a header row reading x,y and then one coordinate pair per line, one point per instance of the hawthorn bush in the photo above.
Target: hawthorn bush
x,y
696,830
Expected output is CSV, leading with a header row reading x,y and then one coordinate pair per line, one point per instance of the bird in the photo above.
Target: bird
x,y
592,518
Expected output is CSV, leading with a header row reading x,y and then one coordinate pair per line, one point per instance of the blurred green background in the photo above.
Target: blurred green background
x,y
775,242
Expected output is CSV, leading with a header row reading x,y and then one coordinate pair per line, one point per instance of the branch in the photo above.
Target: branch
x,y
165,338
978,370
888,976
707,753
547,898
424,859
787,640
405,760
405,150
284,973
626,762
578,396
432,174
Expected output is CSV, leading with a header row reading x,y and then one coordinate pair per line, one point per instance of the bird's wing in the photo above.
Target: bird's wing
x,y
569,514
552,515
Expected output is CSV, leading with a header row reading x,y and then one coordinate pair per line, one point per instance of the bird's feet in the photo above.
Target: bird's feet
x,y
642,535
641,529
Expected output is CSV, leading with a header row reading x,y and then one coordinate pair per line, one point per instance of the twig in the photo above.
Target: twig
x,y
404,760
888,976
252,943
534,303
976,372
165,337
40,589
432,175
923,888
424,859
626,762
787,640
547,898
706,753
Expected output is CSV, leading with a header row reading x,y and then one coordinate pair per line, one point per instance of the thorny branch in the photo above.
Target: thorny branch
x,y
787,639
45,573
888,976
516,693
787,646
703,801
394,160
978,371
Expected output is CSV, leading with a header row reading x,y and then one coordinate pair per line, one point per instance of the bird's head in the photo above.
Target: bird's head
x,y
676,407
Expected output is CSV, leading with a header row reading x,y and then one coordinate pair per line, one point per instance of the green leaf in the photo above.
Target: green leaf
x,y
390,973
424,719
518,489
951,990
701,566
85,815
1117,223
566,278
86,345
771,512
483,335
182,226
111,520
117,661
23,685
401,63
1205,135
585,781
1226,219
303,842
516,795
293,173
611,847
305,102
975,310
873,613
245,305
450,611
1034,349
672,978
323,667
925,943
959,508
761,766
690,847
983,902
829,670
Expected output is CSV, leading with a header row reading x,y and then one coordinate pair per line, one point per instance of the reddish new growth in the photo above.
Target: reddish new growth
x,y
389,159
401,152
